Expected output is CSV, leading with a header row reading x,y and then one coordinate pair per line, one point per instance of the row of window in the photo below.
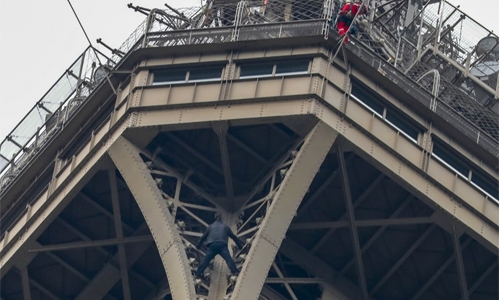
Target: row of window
x,y
173,76
440,150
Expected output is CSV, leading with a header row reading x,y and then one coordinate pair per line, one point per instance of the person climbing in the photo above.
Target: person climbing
x,y
347,14
216,236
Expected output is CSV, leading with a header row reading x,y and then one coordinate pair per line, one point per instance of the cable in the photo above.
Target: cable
x,y
78,19
91,46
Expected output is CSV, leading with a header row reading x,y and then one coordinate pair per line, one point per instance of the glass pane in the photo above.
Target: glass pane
x,y
450,158
367,99
403,125
292,67
169,76
489,186
203,74
256,70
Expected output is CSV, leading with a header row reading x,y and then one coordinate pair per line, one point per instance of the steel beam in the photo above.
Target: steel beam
x,y
117,217
438,272
220,129
361,223
25,279
339,285
357,202
282,210
109,275
246,148
97,243
379,231
483,276
287,285
462,281
352,223
402,259
154,208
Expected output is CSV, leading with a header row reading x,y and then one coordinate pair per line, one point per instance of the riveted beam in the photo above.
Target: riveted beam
x,y
220,129
154,208
402,259
462,281
379,231
438,272
282,210
119,232
352,223
357,202
25,279
109,274
338,284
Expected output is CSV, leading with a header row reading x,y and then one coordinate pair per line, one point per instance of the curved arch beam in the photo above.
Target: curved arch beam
x,y
282,210
126,157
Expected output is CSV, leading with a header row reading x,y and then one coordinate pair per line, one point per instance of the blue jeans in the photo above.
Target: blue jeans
x,y
214,249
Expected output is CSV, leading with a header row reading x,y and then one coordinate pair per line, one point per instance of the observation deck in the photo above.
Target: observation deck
x,y
384,148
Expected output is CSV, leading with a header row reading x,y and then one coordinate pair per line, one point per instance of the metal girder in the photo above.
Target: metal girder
x,y
295,280
339,285
246,148
97,243
379,231
119,232
352,223
109,274
104,211
154,208
220,129
483,276
25,279
282,210
402,259
396,164
357,202
438,272
361,223
462,281
195,153
287,285
268,293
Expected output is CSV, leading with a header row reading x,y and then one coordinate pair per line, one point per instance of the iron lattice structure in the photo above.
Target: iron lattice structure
x,y
434,44
371,173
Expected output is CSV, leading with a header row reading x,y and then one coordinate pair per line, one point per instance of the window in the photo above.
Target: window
x,y
187,75
446,155
368,101
486,185
274,69
292,67
458,164
256,70
169,76
207,74
402,125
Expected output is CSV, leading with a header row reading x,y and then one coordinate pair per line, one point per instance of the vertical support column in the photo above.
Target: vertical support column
x,y
462,281
119,233
26,283
155,210
354,232
282,210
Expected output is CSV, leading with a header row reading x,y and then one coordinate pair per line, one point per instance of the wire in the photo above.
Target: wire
x,y
78,19
91,46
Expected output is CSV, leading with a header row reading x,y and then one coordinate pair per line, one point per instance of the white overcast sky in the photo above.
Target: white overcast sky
x,y
40,39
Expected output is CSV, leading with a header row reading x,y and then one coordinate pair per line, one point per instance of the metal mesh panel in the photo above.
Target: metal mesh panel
x,y
48,116
401,33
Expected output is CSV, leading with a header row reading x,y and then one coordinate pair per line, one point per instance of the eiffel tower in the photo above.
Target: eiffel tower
x,y
362,166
